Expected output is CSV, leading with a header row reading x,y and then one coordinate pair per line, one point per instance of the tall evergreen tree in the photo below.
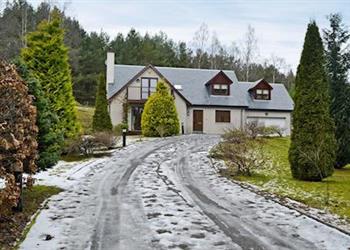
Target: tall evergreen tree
x,y
46,57
101,120
313,145
338,64
49,141
159,117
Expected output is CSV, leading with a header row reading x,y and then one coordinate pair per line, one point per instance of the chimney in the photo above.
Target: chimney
x,y
109,69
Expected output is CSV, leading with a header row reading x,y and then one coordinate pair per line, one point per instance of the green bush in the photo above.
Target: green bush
x,y
118,129
313,146
159,117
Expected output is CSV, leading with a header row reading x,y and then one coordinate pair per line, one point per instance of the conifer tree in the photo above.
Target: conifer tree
x,y
49,141
101,120
159,117
46,57
338,64
313,145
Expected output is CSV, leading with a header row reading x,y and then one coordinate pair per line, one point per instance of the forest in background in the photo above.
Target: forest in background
x,y
87,50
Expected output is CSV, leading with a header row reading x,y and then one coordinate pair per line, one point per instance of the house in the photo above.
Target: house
x,y
207,101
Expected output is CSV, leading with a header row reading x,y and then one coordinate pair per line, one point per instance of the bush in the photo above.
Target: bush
x,y
272,131
118,129
243,154
88,144
18,145
160,112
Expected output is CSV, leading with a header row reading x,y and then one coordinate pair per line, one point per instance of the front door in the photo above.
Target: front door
x,y
198,120
136,113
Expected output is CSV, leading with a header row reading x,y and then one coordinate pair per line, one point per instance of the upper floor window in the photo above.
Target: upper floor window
x,y
148,86
262,94
220,89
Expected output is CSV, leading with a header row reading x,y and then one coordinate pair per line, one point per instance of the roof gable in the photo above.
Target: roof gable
x,y
261,84
221,78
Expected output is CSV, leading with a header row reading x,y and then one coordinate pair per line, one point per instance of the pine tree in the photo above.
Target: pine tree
x,y
338,64
101,120
49,141
313,145
159,117
46,57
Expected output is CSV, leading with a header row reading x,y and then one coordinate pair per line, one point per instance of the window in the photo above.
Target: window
x,y
220,89
222,116
262,94
148,86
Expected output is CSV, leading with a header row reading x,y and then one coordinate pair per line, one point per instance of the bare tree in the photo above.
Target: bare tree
x,y
249,50
200,40
278,63
215,48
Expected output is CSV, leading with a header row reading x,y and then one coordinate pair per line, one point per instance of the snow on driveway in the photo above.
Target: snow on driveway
x,y
164,194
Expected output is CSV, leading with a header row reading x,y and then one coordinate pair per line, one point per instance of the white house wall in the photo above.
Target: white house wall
x,y
210,126
116,108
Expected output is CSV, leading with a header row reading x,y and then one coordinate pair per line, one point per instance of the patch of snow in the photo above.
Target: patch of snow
x,y
2,183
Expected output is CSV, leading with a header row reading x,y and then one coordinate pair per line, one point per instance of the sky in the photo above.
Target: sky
x,y
280,25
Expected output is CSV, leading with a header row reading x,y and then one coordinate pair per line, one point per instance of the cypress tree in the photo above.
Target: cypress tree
x,y
313,145
49,141
46,57
159,117
338,64
101,120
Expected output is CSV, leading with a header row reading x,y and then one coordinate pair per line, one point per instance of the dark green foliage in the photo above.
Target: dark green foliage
x,y
49,141
338,64
159,117
313,146
46,57
101,120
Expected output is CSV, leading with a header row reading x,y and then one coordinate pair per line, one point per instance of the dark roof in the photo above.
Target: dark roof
x,y
195,91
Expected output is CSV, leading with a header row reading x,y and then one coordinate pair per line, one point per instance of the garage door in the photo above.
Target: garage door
x,y
269,121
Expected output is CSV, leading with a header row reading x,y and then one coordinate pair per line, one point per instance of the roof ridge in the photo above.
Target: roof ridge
x,y
167,67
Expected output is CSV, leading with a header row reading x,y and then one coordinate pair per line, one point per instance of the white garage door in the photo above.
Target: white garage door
x,y
269,121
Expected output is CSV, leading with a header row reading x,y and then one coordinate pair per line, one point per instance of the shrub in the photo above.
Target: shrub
x,y
18,146
88,144
159,111
253,129
243,154
118,129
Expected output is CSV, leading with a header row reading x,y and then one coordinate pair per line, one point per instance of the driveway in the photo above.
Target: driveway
x,y
165,194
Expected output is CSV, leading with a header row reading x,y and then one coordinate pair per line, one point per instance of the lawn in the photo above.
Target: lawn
x,y
14,227
85,115
278,180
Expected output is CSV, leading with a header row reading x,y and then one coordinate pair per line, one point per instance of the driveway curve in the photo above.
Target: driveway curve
x,y
165,194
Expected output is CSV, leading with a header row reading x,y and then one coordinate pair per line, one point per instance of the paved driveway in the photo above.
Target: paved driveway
x,y
165,194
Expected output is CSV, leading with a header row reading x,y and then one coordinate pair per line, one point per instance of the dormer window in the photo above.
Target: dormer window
x,y
219,84
261,90
262,94
220,89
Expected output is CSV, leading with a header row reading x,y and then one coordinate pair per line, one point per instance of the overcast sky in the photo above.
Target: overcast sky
x,y
280,25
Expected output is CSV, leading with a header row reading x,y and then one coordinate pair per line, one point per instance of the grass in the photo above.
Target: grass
x,y
16,227
332,193
85,115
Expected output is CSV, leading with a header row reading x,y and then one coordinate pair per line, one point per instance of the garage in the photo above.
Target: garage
x,y
269,121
